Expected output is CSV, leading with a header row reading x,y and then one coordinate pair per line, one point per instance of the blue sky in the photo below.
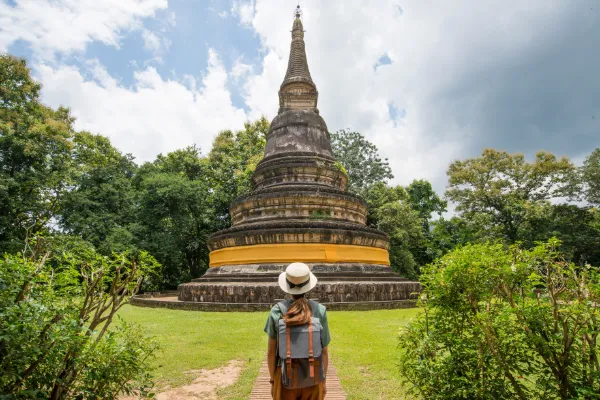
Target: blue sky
x,y
428,82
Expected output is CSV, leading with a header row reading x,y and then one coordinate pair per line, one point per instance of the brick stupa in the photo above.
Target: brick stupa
x,y
299,210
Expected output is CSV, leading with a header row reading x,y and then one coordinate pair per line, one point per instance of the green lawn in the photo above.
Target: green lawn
x,y
363,347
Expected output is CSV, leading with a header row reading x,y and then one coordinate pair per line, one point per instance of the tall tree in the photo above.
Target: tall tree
x,y
360,158
176,214
35,156
591,177
578,229
101,206
425,201
390,210
232,160
505,187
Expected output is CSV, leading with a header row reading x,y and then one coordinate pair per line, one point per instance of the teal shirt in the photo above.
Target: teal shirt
x,y
275,315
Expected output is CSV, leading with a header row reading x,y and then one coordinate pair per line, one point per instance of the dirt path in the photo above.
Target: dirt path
x,y
205,385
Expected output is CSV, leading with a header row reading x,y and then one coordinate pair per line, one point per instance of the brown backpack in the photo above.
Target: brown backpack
x,y
300,350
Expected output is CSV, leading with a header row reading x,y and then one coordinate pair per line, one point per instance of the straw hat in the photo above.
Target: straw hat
x,y
297,279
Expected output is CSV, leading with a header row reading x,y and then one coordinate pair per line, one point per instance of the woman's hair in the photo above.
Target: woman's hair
x,y
299,312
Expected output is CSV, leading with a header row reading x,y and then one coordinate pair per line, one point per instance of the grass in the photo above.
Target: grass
x,y
364,350
192,340
363,347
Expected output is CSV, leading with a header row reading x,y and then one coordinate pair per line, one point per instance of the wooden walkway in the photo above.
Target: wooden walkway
x,y
262,387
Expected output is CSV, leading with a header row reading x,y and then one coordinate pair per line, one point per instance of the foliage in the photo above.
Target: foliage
x,y
505,323
176,215
360,159
35,162
424,200
447,234
232,161
55,315
578,229
591,177
101,206
505,187
184,197
390,211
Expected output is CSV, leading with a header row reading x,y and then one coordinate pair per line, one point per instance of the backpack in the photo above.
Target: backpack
x,y
299,348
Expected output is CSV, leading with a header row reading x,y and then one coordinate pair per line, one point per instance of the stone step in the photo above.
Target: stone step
x,y
322,278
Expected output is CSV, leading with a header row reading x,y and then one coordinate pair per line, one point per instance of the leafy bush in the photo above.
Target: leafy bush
x,y
55,314
505,323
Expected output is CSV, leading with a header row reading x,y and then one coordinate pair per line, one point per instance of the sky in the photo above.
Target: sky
x,y
427,81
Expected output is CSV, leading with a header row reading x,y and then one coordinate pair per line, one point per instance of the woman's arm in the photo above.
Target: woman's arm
x,y
272,357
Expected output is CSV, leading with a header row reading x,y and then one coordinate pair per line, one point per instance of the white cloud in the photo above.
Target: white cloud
x,y
154,116
64,26
244,9
434,48
240,69
172,18
157,44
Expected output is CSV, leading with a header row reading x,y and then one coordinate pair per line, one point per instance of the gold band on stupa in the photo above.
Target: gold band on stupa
x,y
291,252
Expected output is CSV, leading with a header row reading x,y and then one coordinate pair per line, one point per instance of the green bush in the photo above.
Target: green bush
x,y
55,314
504,323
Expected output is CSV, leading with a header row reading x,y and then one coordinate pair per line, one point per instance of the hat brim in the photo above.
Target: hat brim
x,y
286,288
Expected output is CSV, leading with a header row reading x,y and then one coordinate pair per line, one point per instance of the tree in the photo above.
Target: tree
x,y
504,323
360,158
425,201
232,160
391,212
185,197
447,234
577,228
176,214
404,228
35,156
591,177
102,205
505,187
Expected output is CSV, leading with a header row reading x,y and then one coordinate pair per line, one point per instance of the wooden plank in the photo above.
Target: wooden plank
x,y
262,387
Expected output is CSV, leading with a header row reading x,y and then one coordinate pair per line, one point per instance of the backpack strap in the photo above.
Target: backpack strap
x,y
314,307
311,358
288,354
283,307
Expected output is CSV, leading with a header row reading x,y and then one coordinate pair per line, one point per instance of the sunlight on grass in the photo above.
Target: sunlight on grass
x,y
363,347
194,340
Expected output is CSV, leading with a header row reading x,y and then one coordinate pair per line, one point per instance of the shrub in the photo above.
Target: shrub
x,y
504,323
55,314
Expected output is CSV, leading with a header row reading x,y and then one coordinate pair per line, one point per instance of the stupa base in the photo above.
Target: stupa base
x,y
341,286
170,301
253,287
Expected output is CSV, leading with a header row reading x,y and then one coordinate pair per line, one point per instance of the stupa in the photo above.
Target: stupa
x,y
299,210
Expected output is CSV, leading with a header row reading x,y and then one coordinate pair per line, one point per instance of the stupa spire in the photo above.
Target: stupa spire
x,y
298,91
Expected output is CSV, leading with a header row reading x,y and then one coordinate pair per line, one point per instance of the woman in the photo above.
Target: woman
x,y
297,281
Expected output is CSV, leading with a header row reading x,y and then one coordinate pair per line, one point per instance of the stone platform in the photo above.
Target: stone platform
x,y
341,287
170,301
